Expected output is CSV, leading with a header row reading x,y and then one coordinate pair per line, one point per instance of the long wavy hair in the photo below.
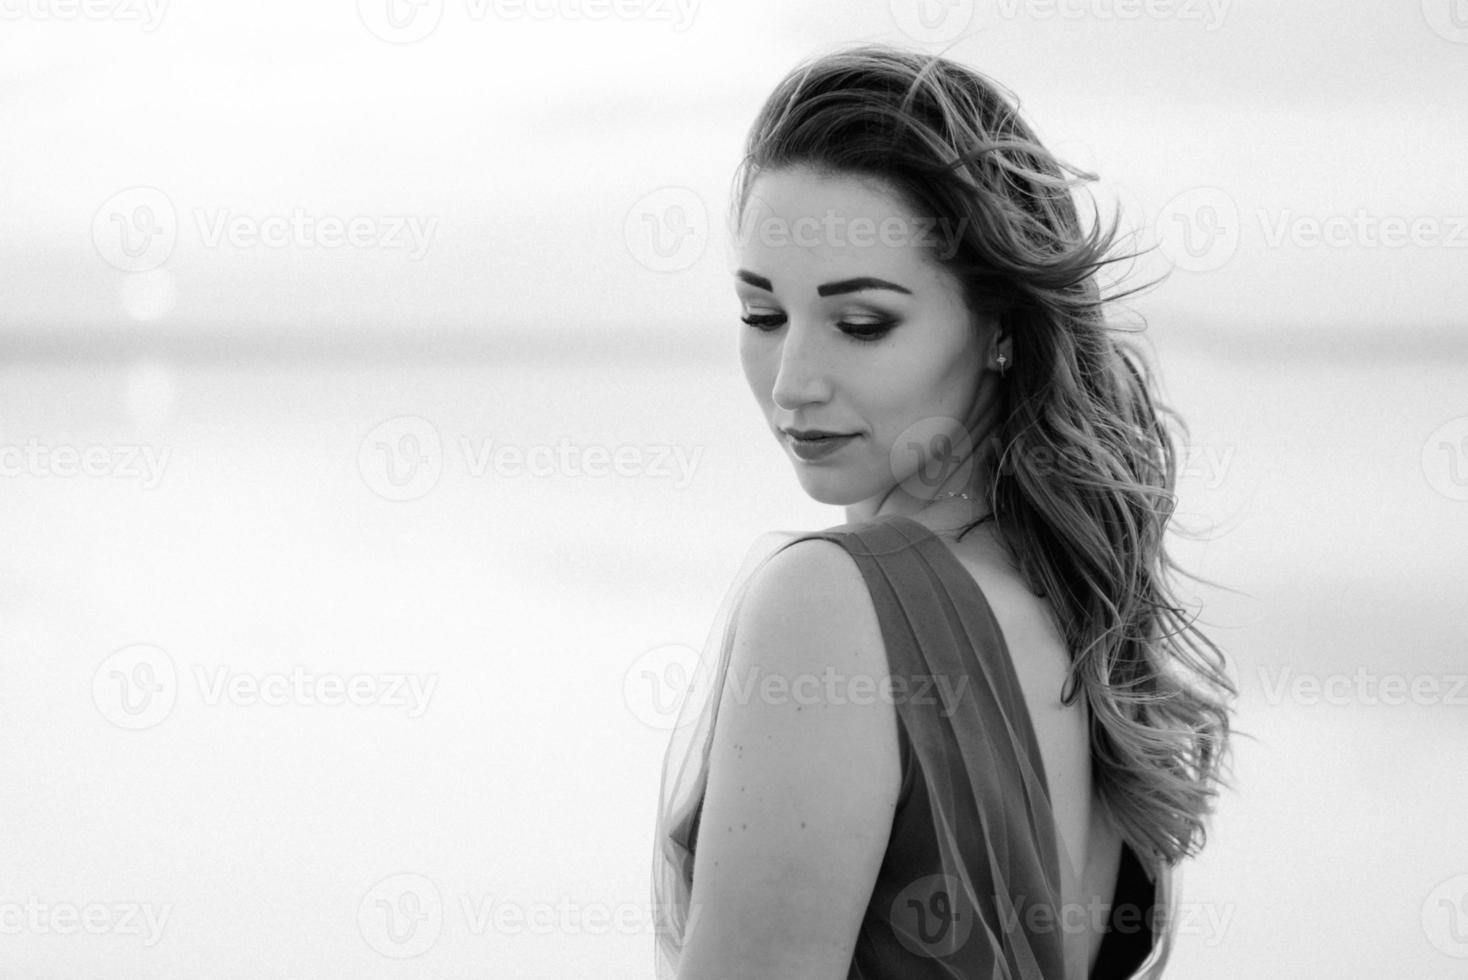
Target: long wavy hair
x,y
1083,487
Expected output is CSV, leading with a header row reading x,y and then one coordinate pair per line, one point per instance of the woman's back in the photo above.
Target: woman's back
x,y
1038,655
978,877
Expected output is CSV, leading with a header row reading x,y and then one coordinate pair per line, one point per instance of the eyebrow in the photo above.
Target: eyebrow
x,y
831,288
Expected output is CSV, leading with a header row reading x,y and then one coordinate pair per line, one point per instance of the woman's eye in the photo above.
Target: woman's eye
x,y
762,321
866,330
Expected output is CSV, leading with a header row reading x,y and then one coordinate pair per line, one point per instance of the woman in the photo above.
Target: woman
x,y
967,733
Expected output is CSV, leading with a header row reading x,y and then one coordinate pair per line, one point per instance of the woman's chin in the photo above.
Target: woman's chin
x,y
826,487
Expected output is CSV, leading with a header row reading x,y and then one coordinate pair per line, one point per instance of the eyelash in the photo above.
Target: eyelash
x,y
872,333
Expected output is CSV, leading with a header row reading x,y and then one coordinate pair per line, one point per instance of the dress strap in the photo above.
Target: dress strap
x,y
959,702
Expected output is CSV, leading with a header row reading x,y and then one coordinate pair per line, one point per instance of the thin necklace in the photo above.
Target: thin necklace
x,y
968,496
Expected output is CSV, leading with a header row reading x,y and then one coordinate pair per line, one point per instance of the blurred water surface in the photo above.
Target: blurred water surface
x,y
269,539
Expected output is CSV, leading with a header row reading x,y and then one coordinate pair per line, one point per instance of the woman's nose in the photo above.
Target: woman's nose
x,y
803,374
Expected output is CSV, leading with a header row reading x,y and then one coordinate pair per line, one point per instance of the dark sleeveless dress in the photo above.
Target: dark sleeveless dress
x,y
970,887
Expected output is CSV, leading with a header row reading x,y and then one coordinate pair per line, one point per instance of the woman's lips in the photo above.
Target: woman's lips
x,y
811,450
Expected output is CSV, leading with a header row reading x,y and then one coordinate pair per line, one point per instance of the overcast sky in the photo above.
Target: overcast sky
x,y
502,172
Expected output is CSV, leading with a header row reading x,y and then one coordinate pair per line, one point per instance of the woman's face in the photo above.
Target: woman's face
x,y
856,330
